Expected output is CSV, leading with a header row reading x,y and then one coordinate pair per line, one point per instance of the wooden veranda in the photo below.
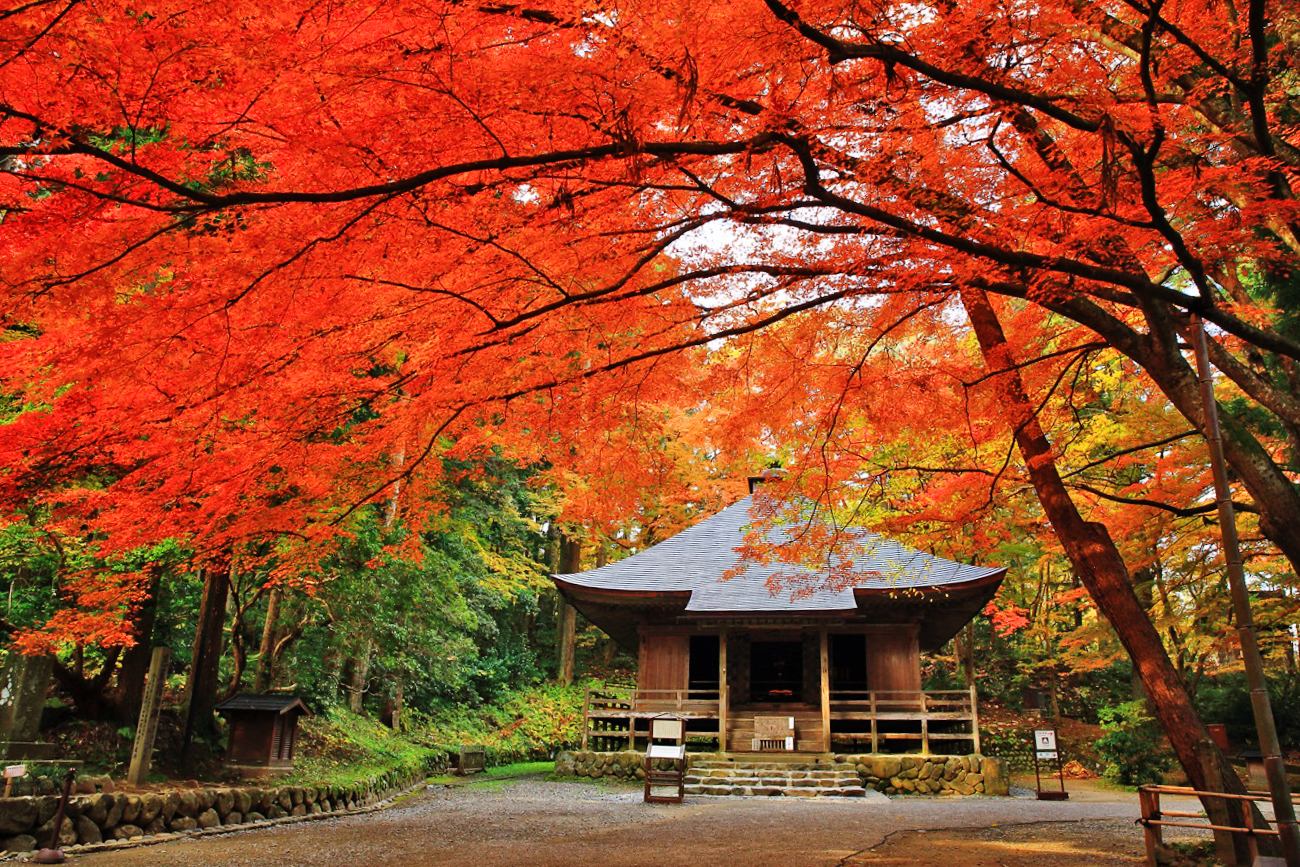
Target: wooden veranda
x,y
875,721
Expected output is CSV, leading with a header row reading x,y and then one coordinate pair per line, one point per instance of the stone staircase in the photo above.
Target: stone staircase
x,y
773,778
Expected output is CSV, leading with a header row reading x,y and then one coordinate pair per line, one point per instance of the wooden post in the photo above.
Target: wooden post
x,y
1288,828
824,651
586,719
925,727
724,697
147,728
875,736
1150,806
975,718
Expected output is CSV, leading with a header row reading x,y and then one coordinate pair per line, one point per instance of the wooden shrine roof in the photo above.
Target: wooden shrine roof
x,y
691,566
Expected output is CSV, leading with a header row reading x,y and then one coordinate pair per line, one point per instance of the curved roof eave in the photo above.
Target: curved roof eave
x,y
690,565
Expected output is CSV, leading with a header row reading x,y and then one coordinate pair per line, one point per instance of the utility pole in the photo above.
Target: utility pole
x,y
1274,767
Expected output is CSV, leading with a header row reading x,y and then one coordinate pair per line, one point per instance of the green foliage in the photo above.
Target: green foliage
x,y
1225,699
530,724
339,747
1132,746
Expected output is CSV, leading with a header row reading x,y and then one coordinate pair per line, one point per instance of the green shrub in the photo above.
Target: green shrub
x,y
1132,747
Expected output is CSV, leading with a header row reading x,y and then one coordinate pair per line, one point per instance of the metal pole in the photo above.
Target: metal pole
x,y
1274,768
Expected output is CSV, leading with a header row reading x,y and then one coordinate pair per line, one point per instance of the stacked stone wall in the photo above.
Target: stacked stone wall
x,y
893,775
104,817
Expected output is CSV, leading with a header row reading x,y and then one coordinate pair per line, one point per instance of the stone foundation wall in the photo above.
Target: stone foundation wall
x,y
933,775
893,775
624,765
28,823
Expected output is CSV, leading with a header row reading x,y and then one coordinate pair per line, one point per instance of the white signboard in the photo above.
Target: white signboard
x,y
15,771
1044,739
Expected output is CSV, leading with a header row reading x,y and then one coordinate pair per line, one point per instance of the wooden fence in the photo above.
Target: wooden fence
x,y
1154,819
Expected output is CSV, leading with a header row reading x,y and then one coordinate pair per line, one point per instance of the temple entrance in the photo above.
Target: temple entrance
x,y
702,671
776,672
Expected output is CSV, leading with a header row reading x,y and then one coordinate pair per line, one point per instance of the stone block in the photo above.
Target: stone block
x,y
171,804
234,817
158,825
131,811
19,843
182,823
276,812
126,831
150,808
243,801
996,779
18,816
225,801
87,831
254,816
208,818
298,810
189,803
67,833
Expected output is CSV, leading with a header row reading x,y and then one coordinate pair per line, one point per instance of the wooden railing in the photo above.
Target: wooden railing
x,y
951,707
1154,820
612,714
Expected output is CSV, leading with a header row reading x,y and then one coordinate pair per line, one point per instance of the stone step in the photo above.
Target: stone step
x,y
764,791
768,770
778,782
774,764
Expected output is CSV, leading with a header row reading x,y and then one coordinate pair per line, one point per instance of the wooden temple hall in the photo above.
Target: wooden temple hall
x,y
750,671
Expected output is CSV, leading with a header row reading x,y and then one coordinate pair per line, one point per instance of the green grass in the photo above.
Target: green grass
x,y
497,776
340,747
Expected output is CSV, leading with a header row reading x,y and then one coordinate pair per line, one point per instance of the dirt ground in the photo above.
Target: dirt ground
x,y
538,823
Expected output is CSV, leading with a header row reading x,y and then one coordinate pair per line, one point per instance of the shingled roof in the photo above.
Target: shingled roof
x,y
688,568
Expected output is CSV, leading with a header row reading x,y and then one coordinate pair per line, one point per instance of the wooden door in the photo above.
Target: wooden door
x,y
893,660
665,662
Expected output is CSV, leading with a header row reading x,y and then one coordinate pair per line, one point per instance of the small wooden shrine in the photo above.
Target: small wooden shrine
x,y
838,664
263,732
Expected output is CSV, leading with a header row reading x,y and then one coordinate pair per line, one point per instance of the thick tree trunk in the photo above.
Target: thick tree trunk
x,y
1101,568
135,661
570,561
359,678
204,680
265,672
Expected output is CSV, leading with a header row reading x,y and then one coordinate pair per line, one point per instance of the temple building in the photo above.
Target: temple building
x,y
828,663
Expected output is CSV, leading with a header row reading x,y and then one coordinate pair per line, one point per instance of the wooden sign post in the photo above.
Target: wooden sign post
x,y
1045,750
13,772
147,728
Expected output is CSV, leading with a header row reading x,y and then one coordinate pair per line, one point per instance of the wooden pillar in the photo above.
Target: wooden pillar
x,y
974,718
147,727
826,689
724,697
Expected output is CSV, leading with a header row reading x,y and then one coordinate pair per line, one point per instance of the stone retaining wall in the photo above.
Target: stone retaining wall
x,y
893,775
933,775
28,823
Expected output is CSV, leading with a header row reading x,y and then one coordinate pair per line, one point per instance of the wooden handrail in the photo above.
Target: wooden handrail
x,y
1152,819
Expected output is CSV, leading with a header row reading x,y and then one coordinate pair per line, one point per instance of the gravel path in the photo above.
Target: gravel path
x,y
536,823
